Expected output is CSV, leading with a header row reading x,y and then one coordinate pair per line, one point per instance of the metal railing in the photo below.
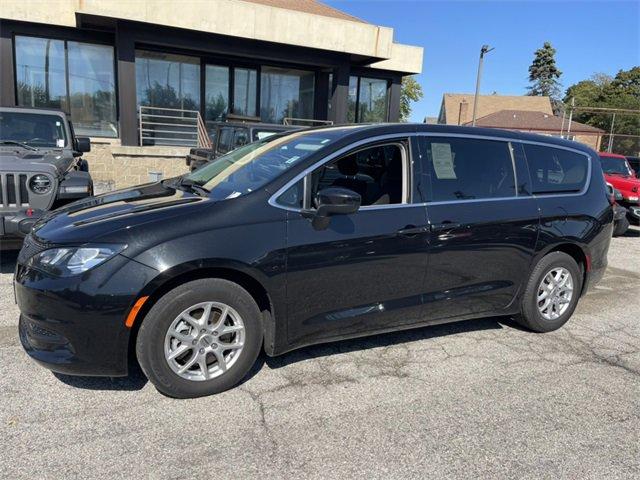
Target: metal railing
x,y
307,122
171,126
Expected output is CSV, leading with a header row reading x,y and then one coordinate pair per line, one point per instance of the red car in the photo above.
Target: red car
x,y
619,173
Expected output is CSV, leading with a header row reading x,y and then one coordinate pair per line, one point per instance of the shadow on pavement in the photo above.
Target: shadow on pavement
x,y
135,381
388,339
8,259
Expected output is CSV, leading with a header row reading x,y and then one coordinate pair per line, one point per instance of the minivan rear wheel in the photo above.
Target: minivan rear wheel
x,y
552,293
200,338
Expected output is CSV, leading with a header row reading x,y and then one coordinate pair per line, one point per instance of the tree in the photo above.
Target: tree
x,y
544,74
411,91
621,91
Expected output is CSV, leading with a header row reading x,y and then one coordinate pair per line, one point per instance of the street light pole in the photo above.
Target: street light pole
x,y
485,49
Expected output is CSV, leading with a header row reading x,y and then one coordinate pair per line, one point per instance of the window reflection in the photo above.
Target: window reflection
x,y
372,103
285,93
165,80
244,91
216,92
78,78
92,89
352,99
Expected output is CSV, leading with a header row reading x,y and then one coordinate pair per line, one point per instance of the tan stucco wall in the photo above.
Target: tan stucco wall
x,y
235,18
113,166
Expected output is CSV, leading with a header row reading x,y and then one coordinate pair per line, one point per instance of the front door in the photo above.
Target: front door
x,y
365,272
483,231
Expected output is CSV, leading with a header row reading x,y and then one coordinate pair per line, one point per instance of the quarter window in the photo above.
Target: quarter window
x,y
467,168
555,170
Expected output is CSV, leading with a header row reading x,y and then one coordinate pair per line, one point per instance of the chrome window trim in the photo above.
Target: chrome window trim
x,y
272,200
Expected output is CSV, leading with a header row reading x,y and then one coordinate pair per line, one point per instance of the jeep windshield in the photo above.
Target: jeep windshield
x,y
615,166
252,166
32,129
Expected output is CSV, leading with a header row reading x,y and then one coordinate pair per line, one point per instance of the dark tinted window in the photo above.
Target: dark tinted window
x,y
226,140
241,137
555,170
467,168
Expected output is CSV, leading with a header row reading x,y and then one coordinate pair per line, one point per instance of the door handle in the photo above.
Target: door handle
x,y
444,226
411,230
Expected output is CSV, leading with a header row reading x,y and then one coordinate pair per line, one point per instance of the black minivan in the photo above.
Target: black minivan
x,y
318,235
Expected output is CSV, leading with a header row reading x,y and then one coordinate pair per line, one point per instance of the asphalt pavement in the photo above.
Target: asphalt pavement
x,y
475,399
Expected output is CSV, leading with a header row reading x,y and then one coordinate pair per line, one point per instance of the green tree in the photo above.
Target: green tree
x,y
544,74
411,91
621,91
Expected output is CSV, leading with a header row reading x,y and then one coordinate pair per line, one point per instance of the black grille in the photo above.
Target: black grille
x,y
24,192
11,189
30,247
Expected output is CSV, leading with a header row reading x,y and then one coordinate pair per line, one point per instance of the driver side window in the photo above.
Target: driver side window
x,y
379,174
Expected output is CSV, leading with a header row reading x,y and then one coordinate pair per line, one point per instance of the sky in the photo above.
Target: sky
x,y
589,36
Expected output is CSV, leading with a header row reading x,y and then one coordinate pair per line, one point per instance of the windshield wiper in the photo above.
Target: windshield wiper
x,y
13,142
193,186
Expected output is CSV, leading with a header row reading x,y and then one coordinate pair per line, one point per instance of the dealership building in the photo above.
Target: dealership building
x,y
139,77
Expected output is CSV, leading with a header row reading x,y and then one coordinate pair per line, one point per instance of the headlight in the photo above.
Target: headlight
x,y
40,184
68,261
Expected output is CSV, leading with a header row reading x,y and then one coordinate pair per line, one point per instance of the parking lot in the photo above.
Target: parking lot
x,y
474,399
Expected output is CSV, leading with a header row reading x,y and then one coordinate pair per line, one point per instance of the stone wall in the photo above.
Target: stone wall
x,y
113,166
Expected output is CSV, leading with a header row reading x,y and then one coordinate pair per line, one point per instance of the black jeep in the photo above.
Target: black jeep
x,y
227,136
40,168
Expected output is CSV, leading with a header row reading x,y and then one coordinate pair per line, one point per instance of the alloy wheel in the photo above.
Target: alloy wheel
x,y
555,293
204,341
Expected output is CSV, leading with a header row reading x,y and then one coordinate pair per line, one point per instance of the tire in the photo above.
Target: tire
x,y
154,342
531,317
621,227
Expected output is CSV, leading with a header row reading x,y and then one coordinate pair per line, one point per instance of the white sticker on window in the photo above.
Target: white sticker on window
x,y
58,124
443,161
60,143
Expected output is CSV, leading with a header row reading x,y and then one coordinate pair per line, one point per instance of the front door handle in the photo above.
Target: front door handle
x,y
412,230
444,226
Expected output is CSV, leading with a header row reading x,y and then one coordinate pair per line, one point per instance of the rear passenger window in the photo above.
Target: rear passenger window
x,y
555,170
467,168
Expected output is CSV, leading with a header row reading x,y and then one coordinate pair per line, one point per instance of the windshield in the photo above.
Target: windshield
x,y
615,165
252,166
33,129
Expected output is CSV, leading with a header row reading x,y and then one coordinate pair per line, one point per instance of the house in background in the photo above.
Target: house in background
x,y
511,112
142,78
542,124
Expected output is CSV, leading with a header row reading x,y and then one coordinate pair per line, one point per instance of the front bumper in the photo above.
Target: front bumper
x,y
18,224
75,325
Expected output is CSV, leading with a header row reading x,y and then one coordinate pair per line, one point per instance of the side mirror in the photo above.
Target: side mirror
x,y
334,201
83,144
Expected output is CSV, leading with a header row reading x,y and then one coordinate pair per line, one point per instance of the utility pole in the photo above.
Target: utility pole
x,y
484,50
573,105
613,121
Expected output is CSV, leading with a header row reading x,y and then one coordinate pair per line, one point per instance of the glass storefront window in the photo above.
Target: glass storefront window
x,y
216,92
372,102
285,93
245,86
78,78
352,99
92,89
166,80
41,72
368,100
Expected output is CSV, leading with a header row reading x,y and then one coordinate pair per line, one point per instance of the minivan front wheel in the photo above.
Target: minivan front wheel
x,y
200,338
552,293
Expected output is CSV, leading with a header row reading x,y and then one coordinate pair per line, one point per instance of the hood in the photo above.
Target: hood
x,y
16,159
622,183
96,218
